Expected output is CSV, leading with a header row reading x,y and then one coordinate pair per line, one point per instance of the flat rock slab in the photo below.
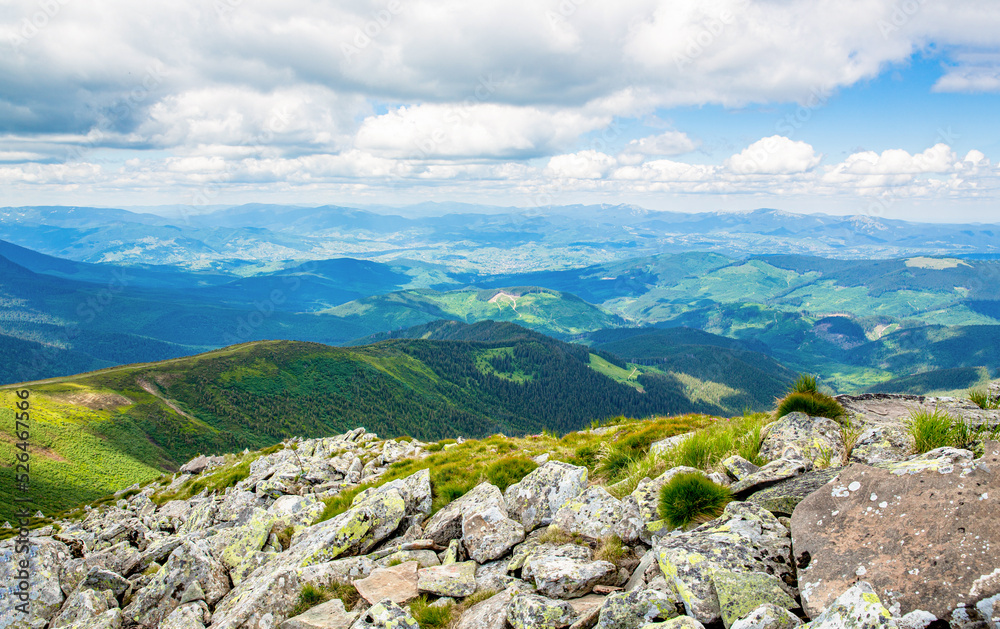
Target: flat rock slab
x,y
783,497
397,583
924,540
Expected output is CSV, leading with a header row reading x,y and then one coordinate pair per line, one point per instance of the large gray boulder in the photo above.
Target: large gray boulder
x,y
623,610
83,604
187,564
488,614
745,538
489,534
535,500
531,611
371,519
446,524
595,514
264,596
566,571
936,525
804,434
45,596
857,608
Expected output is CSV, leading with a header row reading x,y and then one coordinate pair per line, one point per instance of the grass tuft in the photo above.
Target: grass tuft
x,y
311,596
509,470
983,399
930,430
690,498
812,404
430,616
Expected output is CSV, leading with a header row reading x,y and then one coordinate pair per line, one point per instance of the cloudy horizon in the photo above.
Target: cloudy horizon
x,y
878,107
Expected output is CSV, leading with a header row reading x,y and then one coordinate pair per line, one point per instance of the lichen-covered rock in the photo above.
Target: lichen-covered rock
x,y
488,614
329,615
625,610
739,468
917,619
566,571
397,583
100,579
446,524
775,471
456,580
882,443
943,460
538,496
857,608
189,562
531,611
922,534
45,595
783,497
111,619
83,605
681,622
188,616
595,514
369,520
745,538
807,435
415,490
768,616
269,594
340,570
742,592
385,615
493,576
489,534
424,558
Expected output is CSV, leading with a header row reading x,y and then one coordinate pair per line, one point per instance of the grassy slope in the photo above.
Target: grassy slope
x,y
104,430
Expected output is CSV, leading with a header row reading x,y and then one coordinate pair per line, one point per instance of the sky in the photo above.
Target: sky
x,y
880,107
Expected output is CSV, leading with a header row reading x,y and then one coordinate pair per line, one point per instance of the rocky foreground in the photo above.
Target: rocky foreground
x,y
891,540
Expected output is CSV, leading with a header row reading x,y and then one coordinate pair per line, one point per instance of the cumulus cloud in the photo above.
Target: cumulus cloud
x,y
667,143
775,155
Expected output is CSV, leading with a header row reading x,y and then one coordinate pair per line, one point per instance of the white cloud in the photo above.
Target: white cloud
x,y
474,130
775,155
667,143
587,164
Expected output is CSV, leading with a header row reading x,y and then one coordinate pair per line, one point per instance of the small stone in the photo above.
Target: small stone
x,y
456,580
768,616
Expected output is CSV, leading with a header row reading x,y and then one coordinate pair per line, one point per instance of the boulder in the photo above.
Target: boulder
x,y
531,611
424,558
415,490
878,444
681,622
806,435
197,465
739,468
189,562
565,571
265,594
782,498
385,615
329,615
857,608
370,519
396,583
769,616
624,610
745,538
187,616
446,524
83,605
489,534
937,528
45,594
538,496
742,592
493,576
775,471
595,514
488,614
99,579
456,580
111,619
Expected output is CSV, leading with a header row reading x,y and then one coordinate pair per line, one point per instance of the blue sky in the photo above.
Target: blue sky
x,y
670,104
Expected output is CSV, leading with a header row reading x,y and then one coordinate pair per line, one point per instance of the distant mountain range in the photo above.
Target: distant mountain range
x,y
471,237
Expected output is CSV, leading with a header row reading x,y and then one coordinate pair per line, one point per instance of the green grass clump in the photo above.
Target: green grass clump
x,y
983,399
509,470
311,596
612,549
805,397
689,498
430,616
938,429
335,505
